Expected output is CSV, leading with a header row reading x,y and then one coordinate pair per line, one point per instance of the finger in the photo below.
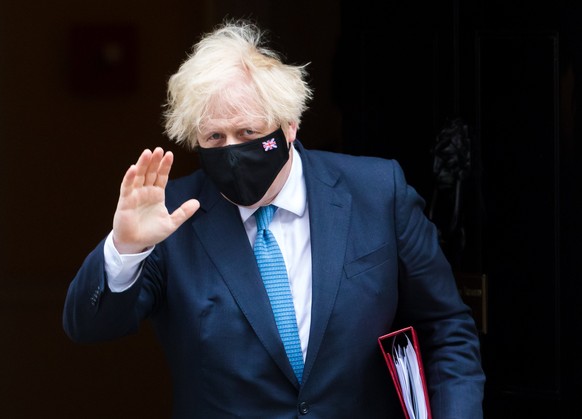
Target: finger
x,y
153,167
164,170
185,211
142,167
127,182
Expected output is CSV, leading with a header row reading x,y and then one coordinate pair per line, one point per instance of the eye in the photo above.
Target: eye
x,y
215,136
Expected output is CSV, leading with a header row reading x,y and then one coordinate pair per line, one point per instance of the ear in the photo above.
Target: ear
x,y
291,132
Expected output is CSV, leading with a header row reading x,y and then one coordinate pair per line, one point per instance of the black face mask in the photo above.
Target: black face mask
x,y
244,172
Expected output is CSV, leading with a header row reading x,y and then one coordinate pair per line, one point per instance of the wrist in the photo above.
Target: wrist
x,y
128,248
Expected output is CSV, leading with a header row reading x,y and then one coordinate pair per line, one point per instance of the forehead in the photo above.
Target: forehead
x,y
235,104
241,113
227,123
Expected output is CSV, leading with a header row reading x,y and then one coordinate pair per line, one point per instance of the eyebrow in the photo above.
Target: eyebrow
x,y
210,127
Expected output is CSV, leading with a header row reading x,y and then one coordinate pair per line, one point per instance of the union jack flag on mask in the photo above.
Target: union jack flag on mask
x,y
269,144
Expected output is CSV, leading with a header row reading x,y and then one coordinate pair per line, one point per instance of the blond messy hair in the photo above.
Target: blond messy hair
x,y
226,62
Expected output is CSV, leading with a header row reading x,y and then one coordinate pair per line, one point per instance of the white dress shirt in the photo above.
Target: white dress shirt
x,y
290,226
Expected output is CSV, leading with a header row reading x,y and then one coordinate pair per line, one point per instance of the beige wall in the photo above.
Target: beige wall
x,y
62,155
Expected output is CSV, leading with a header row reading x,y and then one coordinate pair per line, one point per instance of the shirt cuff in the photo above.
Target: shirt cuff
x,y
122,270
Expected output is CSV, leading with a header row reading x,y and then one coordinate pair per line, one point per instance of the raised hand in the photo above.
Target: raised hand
x,y
142,219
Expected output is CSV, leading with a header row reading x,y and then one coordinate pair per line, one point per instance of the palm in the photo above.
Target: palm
x,y
142,219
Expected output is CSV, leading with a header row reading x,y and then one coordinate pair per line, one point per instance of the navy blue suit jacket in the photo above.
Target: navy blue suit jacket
x,y
377,265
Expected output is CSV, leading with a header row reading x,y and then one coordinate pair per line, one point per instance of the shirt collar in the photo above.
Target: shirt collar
x,y
293,195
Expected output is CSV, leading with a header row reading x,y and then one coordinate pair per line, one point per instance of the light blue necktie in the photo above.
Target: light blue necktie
x,y
274,274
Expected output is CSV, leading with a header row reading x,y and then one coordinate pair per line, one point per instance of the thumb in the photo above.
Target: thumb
x,y
185,211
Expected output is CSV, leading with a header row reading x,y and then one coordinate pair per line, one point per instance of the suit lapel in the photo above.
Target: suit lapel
x,y
329,213
222,233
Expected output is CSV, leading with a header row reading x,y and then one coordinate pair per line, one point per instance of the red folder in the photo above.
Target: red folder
x,y
387,344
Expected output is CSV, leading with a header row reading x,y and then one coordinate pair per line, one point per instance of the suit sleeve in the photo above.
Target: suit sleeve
x,y
430,301
92,312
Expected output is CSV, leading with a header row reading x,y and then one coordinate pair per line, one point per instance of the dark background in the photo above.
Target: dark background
x,y
81,93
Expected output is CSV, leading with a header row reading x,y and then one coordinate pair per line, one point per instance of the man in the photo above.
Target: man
x,y
360,257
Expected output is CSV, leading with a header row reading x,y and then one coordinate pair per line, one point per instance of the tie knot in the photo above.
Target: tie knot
x,y
264,215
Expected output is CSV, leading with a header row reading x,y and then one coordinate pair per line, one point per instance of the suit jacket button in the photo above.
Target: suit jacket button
x,y
303,408
95,297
